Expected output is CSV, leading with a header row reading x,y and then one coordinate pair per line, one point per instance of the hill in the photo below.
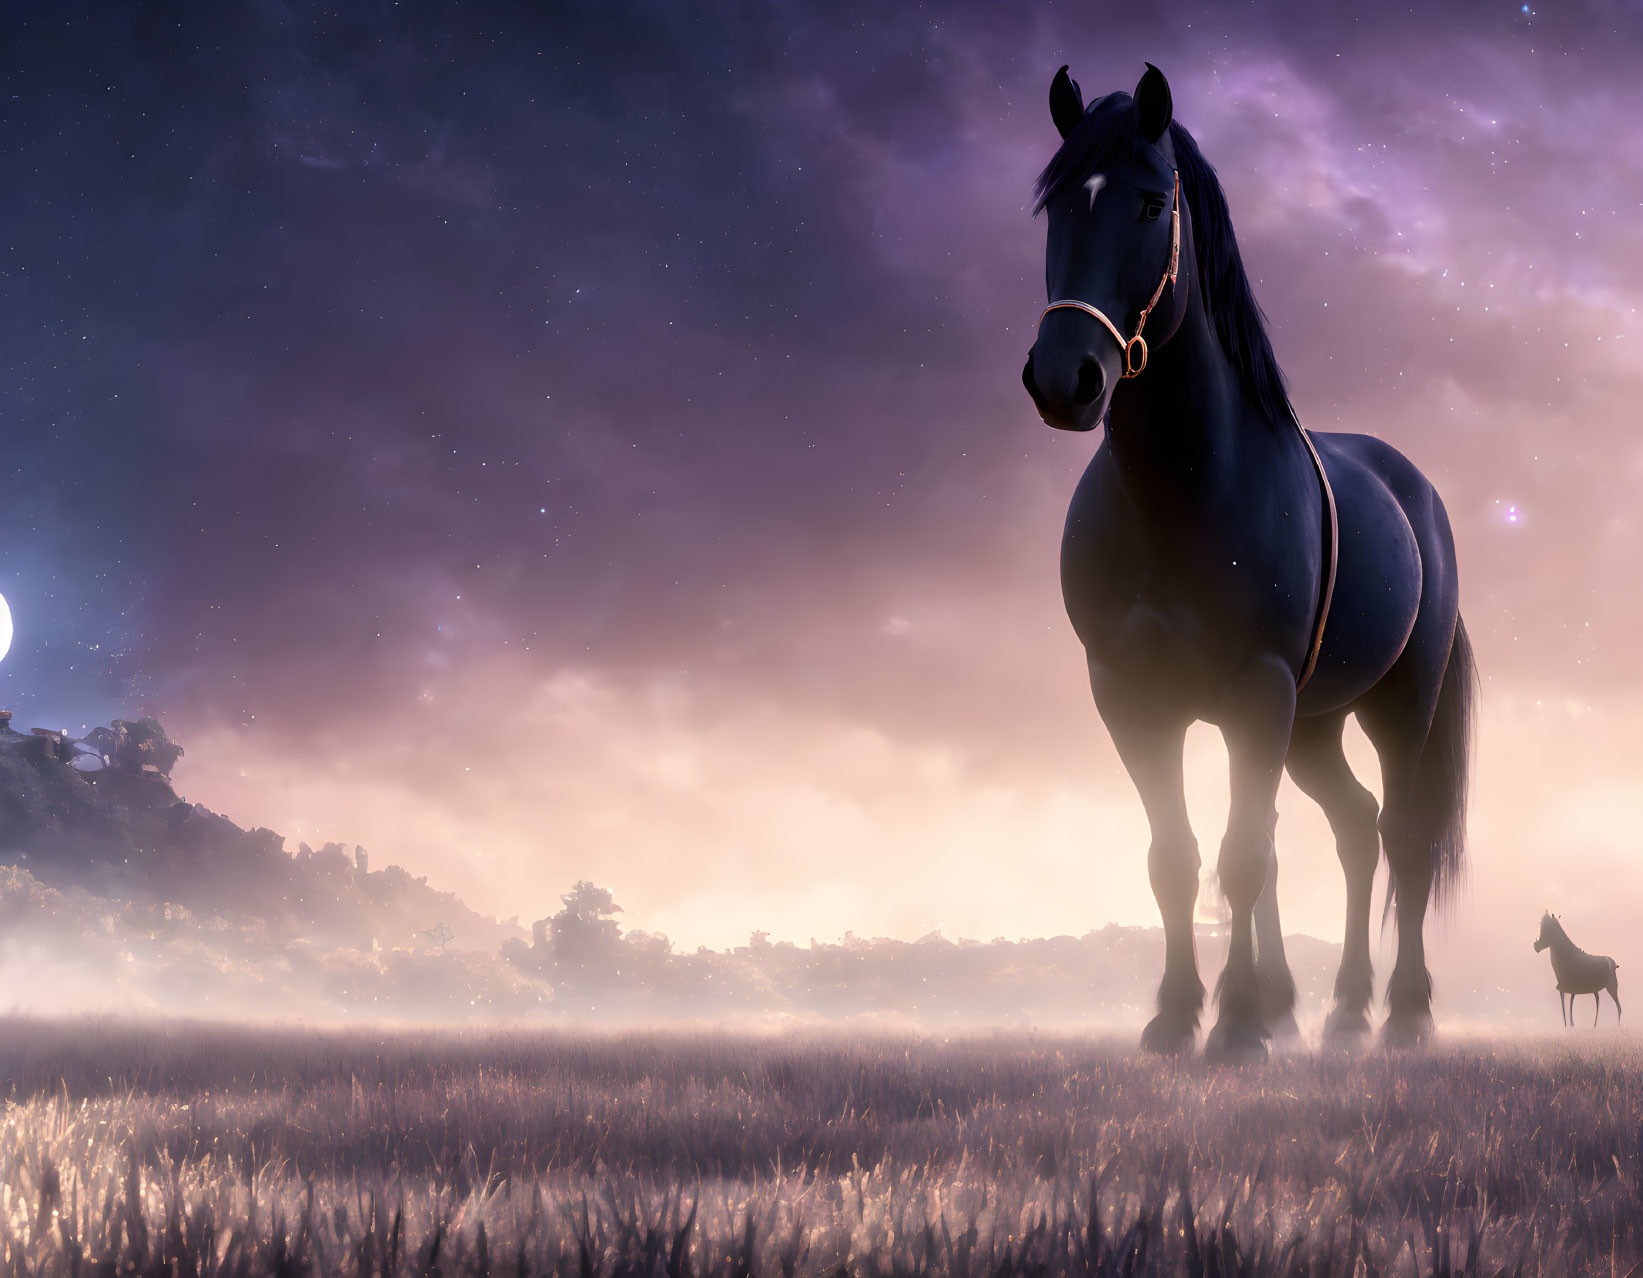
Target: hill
x,y
123,832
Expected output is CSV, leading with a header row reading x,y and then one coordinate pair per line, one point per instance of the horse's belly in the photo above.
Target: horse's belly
x,y
1162,651
1583,975
1152,645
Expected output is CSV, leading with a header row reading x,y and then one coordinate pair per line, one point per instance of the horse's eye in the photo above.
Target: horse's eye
x,y
1154,210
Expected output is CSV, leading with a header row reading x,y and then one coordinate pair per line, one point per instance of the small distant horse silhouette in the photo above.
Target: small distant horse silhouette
x,y
1577,972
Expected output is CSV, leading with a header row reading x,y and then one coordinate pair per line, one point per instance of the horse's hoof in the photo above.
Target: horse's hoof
x,y
1168,1035
1284,1028
1234,1044
1346,1027
1405,1032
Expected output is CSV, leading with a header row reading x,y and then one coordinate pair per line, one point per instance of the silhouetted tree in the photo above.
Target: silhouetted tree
x,y
584,933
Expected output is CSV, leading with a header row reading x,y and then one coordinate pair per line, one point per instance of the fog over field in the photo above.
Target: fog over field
x,y
118,894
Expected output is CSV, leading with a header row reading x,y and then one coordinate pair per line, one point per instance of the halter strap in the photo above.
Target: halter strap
x,y
1327,594
1129,345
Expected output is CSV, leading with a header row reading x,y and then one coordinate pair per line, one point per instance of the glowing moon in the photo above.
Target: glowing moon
x,y
5,628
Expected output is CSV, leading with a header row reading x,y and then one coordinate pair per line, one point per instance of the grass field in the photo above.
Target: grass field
x,y
199,1150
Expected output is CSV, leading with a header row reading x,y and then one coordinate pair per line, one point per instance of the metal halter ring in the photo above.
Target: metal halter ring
x,y
1132,369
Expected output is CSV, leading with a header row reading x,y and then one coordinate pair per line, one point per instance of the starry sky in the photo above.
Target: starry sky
x,y
544,442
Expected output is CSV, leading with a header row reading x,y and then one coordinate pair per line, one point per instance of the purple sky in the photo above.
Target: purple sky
x,y
586,440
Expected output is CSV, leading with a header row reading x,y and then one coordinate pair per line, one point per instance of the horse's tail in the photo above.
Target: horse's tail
x,y
1441,775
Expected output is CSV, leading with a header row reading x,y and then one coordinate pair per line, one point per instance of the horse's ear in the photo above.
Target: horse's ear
x,y
1066,102
1153,104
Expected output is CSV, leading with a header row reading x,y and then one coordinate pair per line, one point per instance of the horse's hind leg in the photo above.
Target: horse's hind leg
x,y
1397,717
1614,993
1409,988
1318,765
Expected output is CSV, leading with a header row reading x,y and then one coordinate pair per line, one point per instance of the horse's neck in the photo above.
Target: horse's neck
x,y
1563,946
1173,430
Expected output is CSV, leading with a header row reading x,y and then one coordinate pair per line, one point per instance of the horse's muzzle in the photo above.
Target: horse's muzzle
x,y
1068,407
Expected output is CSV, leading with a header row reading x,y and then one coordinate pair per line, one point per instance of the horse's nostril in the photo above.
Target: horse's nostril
x,y
1090,380
1031,383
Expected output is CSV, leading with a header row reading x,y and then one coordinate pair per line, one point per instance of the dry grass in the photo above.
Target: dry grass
x,y
198,1150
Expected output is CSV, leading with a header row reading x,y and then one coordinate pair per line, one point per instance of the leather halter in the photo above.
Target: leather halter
x,y
1132,369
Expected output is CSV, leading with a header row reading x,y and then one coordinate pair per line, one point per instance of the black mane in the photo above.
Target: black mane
x,y
1239,321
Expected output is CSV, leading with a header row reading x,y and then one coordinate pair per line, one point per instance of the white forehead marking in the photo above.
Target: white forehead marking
x,y
1093,186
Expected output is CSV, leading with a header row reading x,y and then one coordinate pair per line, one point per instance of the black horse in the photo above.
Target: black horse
x,y
1197,564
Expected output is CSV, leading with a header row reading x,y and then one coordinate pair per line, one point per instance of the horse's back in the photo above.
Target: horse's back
x,y
1393,543
1578,972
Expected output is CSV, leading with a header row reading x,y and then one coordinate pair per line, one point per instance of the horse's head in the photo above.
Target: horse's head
x,y
1111,196
1548,930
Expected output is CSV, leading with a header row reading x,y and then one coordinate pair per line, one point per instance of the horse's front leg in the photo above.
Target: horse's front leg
x,y
1256,715
1150,744
1271,965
